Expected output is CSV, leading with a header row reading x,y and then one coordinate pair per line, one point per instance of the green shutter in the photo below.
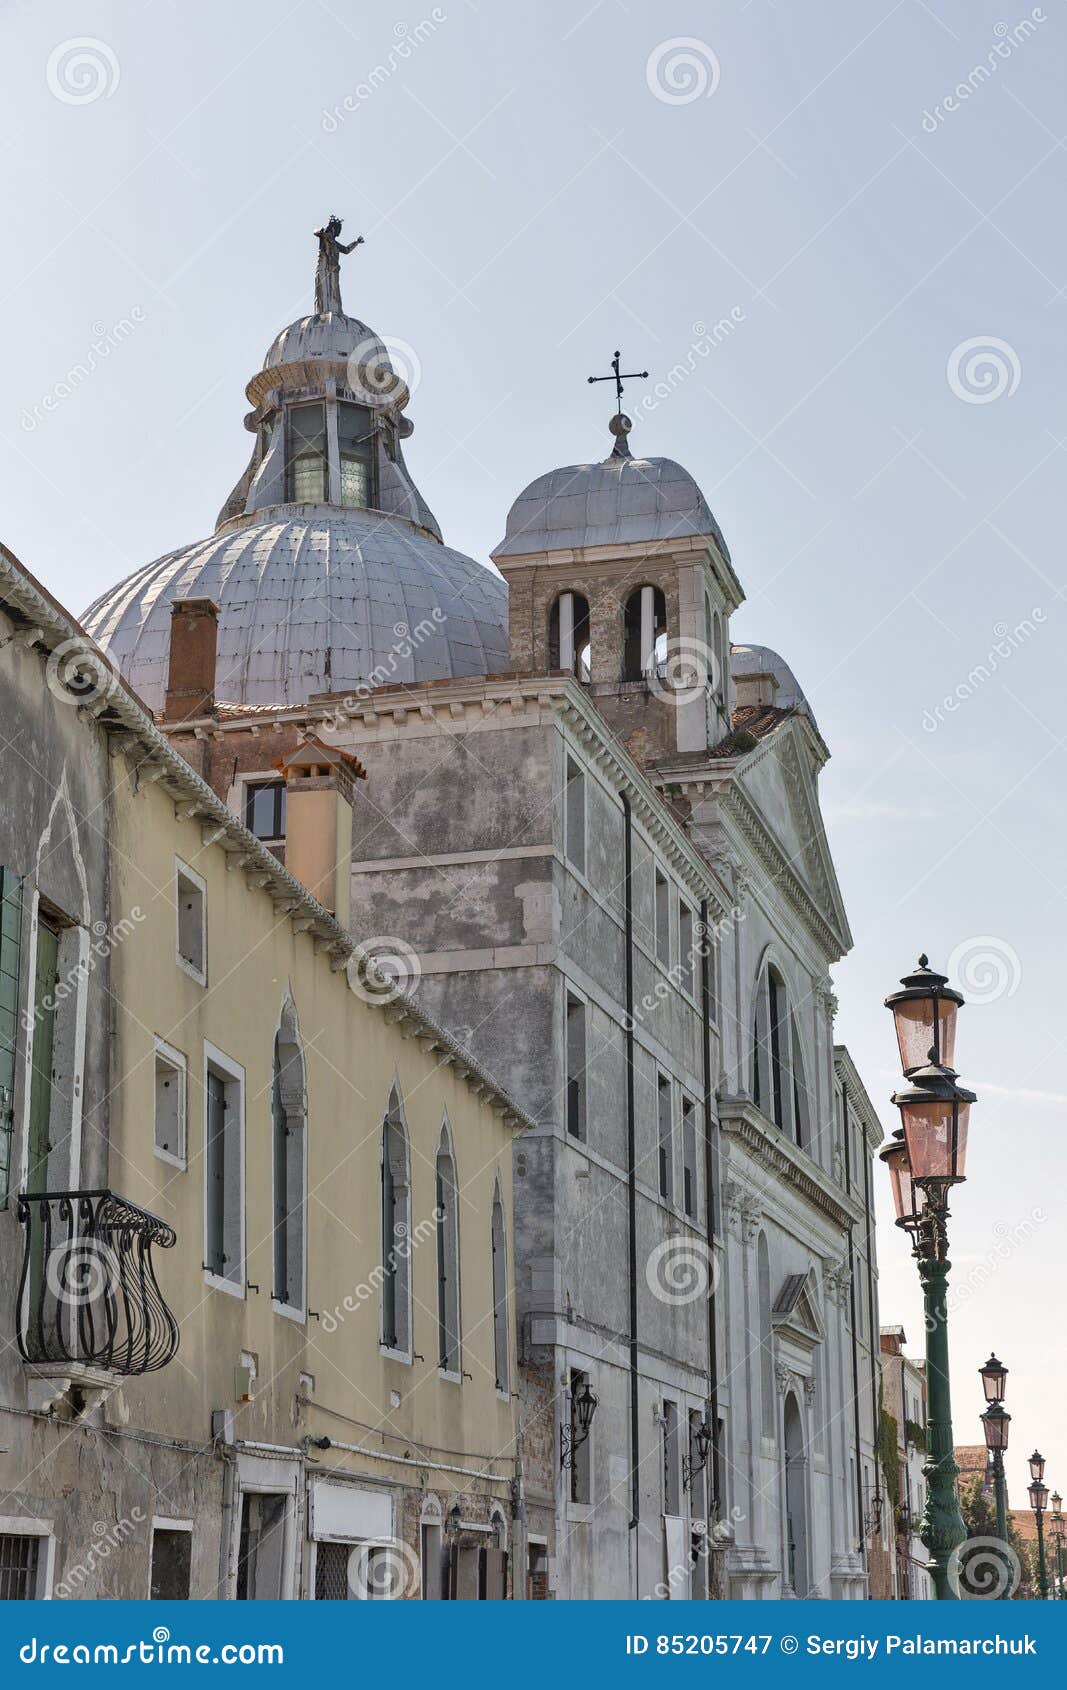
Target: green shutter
x,y
10,937
43,1039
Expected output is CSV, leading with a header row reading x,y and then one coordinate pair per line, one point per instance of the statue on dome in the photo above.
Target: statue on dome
x,y
328,269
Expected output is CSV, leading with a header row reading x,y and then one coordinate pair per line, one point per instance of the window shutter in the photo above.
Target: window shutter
x,y
10,942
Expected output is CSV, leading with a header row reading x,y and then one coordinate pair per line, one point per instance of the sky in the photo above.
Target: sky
x,y
839,224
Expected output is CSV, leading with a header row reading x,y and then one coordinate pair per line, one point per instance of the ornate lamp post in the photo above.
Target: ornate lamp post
x,y
1039,1502
995,1424
925,1160
1058,1528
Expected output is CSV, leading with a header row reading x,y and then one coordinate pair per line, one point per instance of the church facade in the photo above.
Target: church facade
x,y
590,841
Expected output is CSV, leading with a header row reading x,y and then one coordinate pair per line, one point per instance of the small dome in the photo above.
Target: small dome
x,y
751,660
611,503
327,334
312,599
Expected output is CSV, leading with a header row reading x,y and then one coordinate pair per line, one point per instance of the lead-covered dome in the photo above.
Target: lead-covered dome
x,y
611,503
311,600
326,564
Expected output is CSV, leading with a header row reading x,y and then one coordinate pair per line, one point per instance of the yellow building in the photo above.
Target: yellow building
x,y
282,1363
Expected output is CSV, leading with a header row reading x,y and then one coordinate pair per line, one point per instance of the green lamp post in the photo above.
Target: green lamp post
x,y
1039,1502
995,1424
924,1161
1058,1529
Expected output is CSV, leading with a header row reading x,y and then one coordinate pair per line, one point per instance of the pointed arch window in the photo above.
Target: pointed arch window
x,y
500,1295
568,636
289,1159
448,1332
644,632
396,1229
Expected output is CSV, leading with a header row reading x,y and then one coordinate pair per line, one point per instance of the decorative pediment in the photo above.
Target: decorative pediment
x,y
796,1311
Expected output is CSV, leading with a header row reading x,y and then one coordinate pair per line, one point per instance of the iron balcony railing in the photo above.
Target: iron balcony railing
x,y
88,1291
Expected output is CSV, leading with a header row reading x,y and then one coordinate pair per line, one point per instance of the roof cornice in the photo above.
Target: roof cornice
x,y
120,713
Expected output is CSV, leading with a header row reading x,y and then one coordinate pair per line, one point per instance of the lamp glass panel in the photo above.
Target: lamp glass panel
x,y
929,1136
914,1020
994,1382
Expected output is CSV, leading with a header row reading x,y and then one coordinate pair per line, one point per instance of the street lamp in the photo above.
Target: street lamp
x,y
1058,1526
995,1424
994,1380
925,1159
584,1402
1039,1502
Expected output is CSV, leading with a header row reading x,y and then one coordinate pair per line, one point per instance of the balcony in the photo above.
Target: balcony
x,y
89,1304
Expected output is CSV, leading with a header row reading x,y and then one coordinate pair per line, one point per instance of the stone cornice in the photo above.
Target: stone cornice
x,y
858,1095
740,1118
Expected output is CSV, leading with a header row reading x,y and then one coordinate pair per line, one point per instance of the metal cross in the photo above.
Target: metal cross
x,y
618,378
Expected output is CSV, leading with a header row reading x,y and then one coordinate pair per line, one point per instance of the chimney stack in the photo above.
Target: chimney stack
x,y
319,788
194,627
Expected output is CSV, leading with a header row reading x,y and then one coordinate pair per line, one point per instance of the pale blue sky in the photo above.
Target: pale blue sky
x,y
529,202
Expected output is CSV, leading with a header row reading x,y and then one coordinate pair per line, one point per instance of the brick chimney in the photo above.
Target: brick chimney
x,y
191,670
319,788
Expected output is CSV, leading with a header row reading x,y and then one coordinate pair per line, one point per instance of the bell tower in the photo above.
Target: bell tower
x,y
618,572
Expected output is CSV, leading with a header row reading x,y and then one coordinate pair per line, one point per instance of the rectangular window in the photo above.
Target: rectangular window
x,y
536,1571
574,816
42,1051
672,1498
224,1171
265,810
172,1559
355,444
262,1547
580,1443
689,1157
331,1572
665,1133
191,897
663,920
169,1129
575,1099
307,454
10,953
686,957
21,1566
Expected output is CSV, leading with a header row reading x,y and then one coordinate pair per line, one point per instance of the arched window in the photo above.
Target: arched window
x,y
715,638
801,1098
568,635
289,1135
644,632
500,1295
772,1089
766,1336
447,1257
396,1229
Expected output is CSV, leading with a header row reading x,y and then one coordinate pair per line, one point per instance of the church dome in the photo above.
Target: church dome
x,y
620,500
326,334
327,565
311,599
